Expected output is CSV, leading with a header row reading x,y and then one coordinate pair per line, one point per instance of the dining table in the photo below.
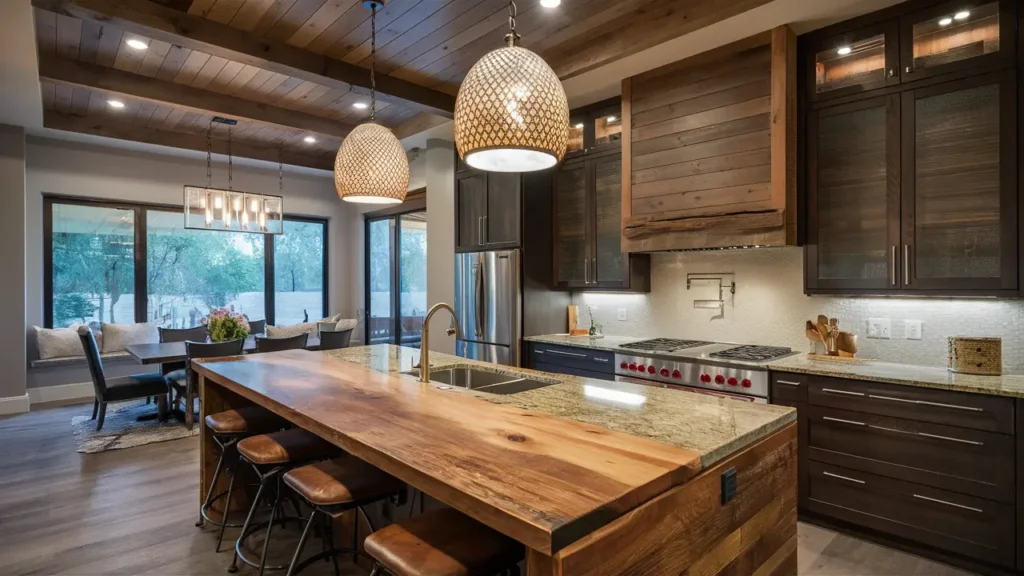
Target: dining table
x,y
168,352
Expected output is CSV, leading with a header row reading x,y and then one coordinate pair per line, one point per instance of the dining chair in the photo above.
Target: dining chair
x,y
257,327
264,344
191,385
175,371
120,388
335,340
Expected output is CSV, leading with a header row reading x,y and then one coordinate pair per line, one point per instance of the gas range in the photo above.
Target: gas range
x,y
716,368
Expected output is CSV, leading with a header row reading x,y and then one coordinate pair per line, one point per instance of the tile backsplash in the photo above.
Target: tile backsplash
x,y
769,307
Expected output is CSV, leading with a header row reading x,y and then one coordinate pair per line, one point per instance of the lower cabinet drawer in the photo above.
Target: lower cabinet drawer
x,y
957,459
557,369
957,523
582,358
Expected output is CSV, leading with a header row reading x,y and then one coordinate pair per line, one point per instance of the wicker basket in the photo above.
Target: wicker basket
x,y
969,355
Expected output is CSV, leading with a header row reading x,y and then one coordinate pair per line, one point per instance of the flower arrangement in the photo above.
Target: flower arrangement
x,y
224,325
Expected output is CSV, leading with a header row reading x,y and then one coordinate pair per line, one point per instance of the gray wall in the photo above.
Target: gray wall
x,y
12,260
440,180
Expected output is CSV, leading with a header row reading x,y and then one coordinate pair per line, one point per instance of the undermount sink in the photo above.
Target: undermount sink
x,y
483,380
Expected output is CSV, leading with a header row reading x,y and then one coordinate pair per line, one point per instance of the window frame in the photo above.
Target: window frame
x,y
140,210
396,269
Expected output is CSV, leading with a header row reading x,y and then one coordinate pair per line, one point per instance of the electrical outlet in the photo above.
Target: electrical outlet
x,y
879,328
912,329
620,314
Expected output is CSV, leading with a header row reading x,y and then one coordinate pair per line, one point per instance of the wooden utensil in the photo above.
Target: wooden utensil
x,y
847,342
823,331
812,332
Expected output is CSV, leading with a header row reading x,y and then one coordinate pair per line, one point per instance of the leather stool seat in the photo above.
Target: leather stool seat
x,y
442,543
284,446
341,481
247,420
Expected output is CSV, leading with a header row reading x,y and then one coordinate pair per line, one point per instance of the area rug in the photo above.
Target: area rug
x,y
122,430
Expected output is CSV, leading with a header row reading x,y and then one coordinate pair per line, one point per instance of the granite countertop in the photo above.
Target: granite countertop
x,y
714,427
923,376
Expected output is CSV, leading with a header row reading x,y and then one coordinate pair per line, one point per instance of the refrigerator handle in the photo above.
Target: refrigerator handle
x,y
479,288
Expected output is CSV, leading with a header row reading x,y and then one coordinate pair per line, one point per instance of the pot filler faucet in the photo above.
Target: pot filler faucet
x,y
425,344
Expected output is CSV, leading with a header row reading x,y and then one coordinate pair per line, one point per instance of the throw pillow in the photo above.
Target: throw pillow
x,y
117,336
289,331
346,324
59,342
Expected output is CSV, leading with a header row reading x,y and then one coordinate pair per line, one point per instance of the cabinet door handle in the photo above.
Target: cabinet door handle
x,y
953,504
854,422
926,403
892,256
480,230
906,264
847,478
538,351
844,392
600,359
891,72
908,69
586,270
787,382
484,229
573,354
951,439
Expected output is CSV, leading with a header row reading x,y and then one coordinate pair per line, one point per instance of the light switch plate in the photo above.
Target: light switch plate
x,y
912,329
879,328
620,314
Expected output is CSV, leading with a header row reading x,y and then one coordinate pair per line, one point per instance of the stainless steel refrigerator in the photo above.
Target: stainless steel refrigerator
x,y
497,305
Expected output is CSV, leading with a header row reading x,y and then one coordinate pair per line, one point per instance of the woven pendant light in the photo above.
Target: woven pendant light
x,y
511,114
371,166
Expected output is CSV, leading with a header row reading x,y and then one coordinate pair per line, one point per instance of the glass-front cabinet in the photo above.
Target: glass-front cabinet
x,y
956,36
854,62
595,128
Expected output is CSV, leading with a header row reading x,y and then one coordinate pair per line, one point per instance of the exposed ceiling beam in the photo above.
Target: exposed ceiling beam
x,y
418,123
72,72
191,31
138,133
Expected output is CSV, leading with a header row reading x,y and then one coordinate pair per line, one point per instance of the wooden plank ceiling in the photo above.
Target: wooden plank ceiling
x,y
282,65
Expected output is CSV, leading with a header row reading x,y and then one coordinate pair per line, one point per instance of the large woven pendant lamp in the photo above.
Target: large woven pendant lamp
x,y
371,166
511,114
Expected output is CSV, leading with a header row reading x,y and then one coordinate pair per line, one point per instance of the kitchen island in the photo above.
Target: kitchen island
x,y
592,477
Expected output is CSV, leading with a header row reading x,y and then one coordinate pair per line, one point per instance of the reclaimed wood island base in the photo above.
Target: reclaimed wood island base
x,y
583,499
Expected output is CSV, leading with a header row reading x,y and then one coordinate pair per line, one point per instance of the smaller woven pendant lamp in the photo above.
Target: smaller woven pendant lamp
x,y
511,114
371,166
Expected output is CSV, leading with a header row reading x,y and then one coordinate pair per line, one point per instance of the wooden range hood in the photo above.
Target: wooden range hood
x,y
709,149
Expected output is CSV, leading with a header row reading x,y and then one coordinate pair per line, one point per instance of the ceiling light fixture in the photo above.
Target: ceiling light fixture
x,y
115,104
945,21
962,15
579,126
360,105
550,3
612,118
844,50
136,44
371,166
309,140
511,114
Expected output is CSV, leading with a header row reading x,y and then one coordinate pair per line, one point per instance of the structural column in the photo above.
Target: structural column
x,y
13,396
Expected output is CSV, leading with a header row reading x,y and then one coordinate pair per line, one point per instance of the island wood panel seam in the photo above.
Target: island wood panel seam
x,y
541,480
689,531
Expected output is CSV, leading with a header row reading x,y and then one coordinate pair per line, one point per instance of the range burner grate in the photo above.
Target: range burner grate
x,y
752,353
663,344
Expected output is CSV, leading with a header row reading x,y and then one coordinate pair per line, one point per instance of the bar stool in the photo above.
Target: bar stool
x,y
442,543
227,429
332,488
270,456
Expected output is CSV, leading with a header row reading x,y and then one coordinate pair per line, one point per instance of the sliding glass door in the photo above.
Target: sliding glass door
x,y
396,278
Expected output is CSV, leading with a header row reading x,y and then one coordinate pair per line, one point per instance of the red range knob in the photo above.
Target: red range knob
x,y
746,383
664,372
733,381
677,374
651,370
641,368
632,367
719,379
623,365
705,378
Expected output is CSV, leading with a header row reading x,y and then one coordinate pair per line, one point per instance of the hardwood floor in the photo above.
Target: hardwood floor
x,y
133,512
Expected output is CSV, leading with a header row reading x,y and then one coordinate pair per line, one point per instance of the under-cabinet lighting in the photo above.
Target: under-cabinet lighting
x,y
962,15
360,105
136,44
844,50
617,396
116,104
945,21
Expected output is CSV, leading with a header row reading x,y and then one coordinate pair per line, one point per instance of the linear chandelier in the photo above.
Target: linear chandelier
x,y
209,208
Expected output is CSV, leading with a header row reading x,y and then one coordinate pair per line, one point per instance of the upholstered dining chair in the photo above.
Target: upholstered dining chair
x,y
190,387
120,388
175,371
335,340
279,344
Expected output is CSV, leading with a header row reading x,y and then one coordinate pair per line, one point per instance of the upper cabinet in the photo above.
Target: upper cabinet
x,y
487,210
855,61
912,187
709,149
595,129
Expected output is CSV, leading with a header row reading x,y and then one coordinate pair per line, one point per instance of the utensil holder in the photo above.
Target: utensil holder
x,y
982,356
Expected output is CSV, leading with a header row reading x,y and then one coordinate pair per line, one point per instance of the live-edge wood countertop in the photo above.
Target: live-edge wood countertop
x,y
543,468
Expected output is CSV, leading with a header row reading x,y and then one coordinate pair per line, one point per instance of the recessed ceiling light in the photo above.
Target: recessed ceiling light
x,y
117,104
360,105
136,44
962,15
844,50
550,3
612,118
579,126
309,140
945,21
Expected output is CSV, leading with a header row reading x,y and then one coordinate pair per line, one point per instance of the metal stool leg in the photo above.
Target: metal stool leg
x,y
329,537
245,527
270,529
302,542
213,485
227,510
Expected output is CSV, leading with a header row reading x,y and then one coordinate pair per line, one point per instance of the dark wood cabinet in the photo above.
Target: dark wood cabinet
x,y
911,180
487,210
595,129
588,227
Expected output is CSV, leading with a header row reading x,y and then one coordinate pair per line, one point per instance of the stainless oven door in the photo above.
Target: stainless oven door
x,y
740,397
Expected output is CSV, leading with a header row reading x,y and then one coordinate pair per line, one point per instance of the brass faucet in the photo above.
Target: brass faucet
x,y
425,341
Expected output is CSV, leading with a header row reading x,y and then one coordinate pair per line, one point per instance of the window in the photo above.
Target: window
x,y
396,280
123,263
299,267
